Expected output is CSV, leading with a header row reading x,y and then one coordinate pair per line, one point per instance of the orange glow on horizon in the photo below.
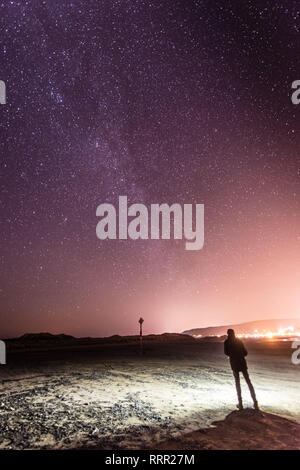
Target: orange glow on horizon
x,y
280,333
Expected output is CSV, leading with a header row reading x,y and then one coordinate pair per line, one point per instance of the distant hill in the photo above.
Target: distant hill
x,y
44,337
45,341
262,326
36,337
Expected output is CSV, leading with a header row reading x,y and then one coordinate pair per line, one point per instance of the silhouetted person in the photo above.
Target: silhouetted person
x,y
235,349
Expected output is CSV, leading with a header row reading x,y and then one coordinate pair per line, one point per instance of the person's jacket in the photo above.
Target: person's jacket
x,y
235,349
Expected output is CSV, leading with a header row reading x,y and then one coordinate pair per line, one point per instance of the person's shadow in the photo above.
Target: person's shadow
x,y
240,430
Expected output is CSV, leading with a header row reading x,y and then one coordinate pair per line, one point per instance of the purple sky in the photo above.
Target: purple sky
x,y
162,101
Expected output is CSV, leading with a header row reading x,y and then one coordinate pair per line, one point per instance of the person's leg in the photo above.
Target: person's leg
x,y
238,388
251,388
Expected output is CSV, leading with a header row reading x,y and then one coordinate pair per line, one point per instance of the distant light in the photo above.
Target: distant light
x,y
289,331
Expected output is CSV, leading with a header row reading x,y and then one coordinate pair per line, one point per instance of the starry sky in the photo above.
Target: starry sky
x,y
185,101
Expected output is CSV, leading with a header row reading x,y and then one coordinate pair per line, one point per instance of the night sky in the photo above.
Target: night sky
x,y
162,101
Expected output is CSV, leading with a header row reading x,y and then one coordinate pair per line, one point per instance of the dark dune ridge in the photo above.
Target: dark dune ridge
x,y
45,341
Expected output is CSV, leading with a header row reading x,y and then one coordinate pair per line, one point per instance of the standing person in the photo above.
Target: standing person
x,y
235,349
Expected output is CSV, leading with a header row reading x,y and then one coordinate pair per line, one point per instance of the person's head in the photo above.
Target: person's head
x,y
230,333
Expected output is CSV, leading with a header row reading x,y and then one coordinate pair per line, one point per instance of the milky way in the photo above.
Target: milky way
x,y
162,101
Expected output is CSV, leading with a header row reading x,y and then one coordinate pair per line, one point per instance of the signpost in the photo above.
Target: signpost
x,y
141,321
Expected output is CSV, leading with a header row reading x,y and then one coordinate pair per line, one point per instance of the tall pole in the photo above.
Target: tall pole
x,y
141,321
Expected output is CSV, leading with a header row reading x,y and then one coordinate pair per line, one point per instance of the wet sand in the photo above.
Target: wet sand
x,y
105,395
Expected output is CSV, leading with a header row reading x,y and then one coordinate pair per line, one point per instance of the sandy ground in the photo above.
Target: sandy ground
x,y
169,398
